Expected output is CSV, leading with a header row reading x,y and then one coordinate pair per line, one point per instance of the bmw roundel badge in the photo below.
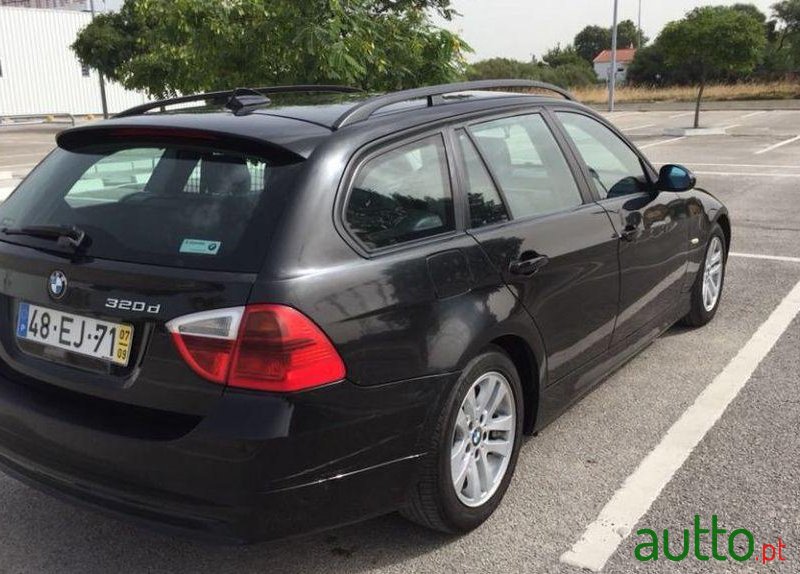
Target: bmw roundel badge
x,y
57,284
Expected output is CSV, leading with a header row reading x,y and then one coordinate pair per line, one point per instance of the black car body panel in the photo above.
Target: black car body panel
x,y
156,441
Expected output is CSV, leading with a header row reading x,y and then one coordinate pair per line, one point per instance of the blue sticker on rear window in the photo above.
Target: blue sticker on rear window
x,y
200,246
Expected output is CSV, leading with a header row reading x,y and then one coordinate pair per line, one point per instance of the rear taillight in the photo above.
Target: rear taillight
x,y
263,347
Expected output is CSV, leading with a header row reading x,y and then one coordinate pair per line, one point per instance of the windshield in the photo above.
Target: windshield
x,y
164,205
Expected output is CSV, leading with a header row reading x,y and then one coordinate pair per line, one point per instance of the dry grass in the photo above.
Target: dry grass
x,y
771,91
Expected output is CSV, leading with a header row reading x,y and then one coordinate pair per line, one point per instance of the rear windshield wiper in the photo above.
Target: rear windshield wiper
x,y
65,235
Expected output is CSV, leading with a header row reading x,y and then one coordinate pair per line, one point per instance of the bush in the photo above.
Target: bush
x,y
572,74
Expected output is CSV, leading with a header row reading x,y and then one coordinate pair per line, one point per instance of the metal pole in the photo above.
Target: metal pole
x,y
612,83
640,33
103,99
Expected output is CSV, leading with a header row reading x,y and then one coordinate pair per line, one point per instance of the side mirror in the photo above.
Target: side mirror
x,y
675,178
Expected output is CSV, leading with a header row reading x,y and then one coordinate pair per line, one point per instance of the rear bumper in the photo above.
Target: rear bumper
x,y
257,467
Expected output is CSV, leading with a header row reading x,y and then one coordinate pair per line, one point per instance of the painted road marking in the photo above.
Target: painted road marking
x,y
630,129
634,498
766,257
765,166
5,192
752,115
778,145
17,165
617,115
654,144
682,115
747,174
34,154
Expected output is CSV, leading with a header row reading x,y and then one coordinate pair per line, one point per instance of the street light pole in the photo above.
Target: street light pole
x,y
612,84
100,75
641,34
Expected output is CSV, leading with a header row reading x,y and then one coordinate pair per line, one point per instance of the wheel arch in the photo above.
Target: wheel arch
x,y
724,222
524,359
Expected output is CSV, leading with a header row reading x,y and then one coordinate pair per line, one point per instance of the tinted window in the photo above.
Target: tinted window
x,y
485,205
162,205
614,167
528,165
402,195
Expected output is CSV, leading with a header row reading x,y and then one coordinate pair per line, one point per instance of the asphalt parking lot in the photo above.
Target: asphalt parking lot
x,y
745,469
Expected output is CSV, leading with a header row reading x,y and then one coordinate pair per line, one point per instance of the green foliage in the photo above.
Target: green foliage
x,y
502,68
591,41
752,10
713,42
787,15
170,46
649,68
594,39
559,56
562,68
628,34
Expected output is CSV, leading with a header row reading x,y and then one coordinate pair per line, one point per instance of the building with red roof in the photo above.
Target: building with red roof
x,y
602,64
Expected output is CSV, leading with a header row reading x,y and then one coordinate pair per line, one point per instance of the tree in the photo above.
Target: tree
x,y
503,68
570,71
591,41
559,56
787,13
711,42
752,10
183,46
594,39
628,34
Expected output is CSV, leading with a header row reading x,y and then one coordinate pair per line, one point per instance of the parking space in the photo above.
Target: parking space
x,y
744,470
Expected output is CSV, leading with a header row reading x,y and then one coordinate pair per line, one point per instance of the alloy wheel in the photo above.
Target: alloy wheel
x,y
483,439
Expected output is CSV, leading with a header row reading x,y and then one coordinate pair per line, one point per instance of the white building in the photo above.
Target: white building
x,y
40,74
602,64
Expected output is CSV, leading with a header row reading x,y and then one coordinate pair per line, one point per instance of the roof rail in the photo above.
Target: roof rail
x,y
365,109
222,97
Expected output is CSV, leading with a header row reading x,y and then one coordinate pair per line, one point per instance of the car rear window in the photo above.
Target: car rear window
x,y
156,204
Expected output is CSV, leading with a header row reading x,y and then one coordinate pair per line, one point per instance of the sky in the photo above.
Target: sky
x,y
520,28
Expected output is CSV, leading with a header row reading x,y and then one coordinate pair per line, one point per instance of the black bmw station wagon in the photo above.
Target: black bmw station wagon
x,y
271,311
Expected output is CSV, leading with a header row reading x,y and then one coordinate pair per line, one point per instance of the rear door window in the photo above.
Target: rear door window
x,y
485,204
402,195
528,164
163,205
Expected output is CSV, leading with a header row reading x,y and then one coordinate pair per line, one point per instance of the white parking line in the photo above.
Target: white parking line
x,y
634,498
746,174
681,115
18,165
777,145
632,128
617,115
767,257
752,115
34,154
765,166
654,144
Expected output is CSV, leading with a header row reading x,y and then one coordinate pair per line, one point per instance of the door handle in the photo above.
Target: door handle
x,y
629,233
528,267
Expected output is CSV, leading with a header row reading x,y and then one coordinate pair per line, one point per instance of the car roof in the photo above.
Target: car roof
x,y
300,124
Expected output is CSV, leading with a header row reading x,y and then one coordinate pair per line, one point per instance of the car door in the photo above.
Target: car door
x,y
555,248
651,226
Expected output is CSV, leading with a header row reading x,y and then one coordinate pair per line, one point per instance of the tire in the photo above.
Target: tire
x,y
716,256
435,501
